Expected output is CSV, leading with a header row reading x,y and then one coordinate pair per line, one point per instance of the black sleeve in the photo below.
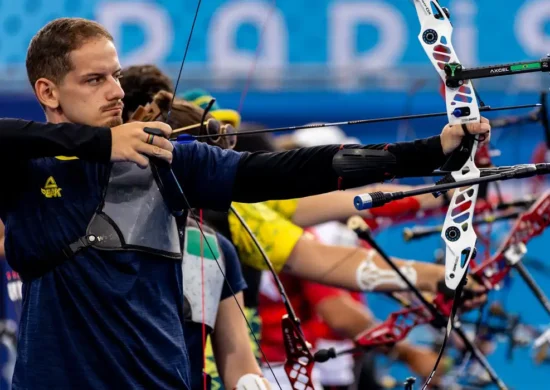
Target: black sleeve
x,y
311,171
21,139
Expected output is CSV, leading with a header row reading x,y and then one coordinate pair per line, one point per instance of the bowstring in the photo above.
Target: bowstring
x,y
229,284
194,217
203,307
183,60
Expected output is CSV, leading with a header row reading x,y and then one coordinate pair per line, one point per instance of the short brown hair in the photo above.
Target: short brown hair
x,y
140,84
49,50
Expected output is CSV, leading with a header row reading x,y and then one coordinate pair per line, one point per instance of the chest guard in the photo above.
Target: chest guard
x,y
195,249
139,212
133,216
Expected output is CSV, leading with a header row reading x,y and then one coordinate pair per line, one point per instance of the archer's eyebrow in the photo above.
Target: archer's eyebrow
x,y
100,74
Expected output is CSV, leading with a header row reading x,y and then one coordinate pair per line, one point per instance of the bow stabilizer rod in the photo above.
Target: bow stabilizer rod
x,y
376,199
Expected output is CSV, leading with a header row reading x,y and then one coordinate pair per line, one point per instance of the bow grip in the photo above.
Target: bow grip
x,y
154,131
460,155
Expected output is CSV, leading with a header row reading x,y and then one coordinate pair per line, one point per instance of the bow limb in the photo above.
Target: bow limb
x,y
299,358
462,108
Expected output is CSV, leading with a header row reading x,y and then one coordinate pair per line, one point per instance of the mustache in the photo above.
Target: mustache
x,y
112,106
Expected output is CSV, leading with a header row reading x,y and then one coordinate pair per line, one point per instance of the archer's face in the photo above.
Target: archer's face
x,y
91,93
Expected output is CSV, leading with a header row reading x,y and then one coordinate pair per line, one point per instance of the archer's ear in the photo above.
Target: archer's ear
x,y
47,93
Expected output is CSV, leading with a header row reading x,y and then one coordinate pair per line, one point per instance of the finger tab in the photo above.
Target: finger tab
x,y
153,131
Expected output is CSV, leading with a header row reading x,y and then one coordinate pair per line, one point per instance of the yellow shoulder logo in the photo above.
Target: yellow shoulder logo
x,y
51,190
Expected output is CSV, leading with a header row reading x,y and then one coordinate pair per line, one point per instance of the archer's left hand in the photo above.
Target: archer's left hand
x,y
451,136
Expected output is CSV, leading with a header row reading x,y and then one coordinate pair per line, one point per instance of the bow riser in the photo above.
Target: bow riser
x,y
395,328
462,105
462,108
299,359
399,324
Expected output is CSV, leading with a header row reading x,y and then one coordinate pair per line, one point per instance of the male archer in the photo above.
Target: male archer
x,y
101,262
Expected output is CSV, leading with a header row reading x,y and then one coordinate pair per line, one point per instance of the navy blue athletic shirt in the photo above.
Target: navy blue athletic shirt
x,y
102,320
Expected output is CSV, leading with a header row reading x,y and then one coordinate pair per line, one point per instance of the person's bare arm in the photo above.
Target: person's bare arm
x,y
337,266
231,343
345,315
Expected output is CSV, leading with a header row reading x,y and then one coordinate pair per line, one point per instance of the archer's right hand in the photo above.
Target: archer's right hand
x,y
130,143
